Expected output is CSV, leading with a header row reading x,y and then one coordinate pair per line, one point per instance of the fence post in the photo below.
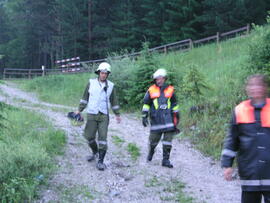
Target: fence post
x,y
218,37
43,70
165,50
29,73
4,74
248,28
190,44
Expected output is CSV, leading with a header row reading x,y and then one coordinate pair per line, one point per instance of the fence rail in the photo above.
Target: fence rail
x,y
85,66
10,73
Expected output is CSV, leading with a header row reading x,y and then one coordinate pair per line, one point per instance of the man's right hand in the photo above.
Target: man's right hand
x,y
228,173
145,121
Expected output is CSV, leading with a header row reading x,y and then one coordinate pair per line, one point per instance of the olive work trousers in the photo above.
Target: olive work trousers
x,y
97,123
167,138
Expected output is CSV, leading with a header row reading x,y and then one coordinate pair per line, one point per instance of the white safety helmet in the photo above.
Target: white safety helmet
x,y
160,73
103,67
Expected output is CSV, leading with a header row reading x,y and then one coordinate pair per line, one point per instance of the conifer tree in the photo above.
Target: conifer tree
x,y
142,78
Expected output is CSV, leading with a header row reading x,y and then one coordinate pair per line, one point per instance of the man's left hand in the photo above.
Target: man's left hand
x,y
176,118
118,119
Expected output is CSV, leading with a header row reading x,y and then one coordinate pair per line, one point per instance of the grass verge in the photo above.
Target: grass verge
x,y
27,147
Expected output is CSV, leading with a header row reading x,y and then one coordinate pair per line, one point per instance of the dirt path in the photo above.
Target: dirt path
x,y
125,180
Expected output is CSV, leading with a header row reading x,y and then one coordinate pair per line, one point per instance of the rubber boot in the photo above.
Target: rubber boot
x,y
151,152
94,149
100,165
166,157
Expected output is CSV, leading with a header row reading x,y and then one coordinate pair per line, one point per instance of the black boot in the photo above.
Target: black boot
x,y
94,149
100,165
166,157
151,152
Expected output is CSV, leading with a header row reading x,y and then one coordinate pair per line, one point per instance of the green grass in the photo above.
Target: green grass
x,y
117,140
58,89
172,190
176,188
27,147
152,182
133,150
71,193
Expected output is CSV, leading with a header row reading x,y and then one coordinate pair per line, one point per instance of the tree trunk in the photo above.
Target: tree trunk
x,y
89,28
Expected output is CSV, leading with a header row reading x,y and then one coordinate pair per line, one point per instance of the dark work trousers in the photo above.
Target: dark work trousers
x,y
97,123
255,197
154,139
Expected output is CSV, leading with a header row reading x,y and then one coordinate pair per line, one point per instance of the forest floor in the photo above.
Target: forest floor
x,y
126,179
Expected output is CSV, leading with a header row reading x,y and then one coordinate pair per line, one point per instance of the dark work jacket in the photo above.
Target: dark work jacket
x,y
250,143
161,118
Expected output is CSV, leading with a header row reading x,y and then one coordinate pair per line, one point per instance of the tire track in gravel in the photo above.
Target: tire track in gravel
x,y
124,180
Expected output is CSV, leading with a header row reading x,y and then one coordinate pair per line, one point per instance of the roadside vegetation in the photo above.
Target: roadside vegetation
x,y
28,145
209,82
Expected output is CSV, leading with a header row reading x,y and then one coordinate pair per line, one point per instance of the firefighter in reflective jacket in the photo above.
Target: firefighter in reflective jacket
x,y
98,96
249,140
161,105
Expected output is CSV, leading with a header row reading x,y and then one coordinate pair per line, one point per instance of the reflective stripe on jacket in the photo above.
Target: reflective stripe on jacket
x,y
248,139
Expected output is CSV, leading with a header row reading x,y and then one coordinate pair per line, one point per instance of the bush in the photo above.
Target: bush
x,y
259,51
193,84
133,78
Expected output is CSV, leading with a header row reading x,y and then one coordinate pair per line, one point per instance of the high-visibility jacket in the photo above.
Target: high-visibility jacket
x,y
160,102
249,140
96,99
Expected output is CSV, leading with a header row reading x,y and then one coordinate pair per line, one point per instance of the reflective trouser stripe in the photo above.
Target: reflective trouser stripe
x,y
158,127
167,143
228,152
82,101
255,182
102,142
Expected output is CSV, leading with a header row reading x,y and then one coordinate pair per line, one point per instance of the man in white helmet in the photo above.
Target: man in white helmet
x,y
161,104
98,96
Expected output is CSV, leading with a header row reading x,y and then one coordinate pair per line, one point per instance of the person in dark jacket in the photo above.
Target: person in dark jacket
x,y
161,104
248,139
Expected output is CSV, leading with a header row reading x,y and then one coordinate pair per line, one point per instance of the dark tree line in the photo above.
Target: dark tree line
x,y
38,32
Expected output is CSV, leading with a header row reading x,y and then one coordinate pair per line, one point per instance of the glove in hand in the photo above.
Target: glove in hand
x,y
145,121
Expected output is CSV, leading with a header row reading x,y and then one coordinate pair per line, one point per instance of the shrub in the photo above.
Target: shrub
x,y
259,50
193,84
134,77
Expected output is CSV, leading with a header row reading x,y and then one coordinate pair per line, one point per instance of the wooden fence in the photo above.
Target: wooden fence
x,y
12,73
183,45
78,66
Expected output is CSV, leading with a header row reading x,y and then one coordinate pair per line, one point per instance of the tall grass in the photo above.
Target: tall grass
x,y
223,65
58,89
27,147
